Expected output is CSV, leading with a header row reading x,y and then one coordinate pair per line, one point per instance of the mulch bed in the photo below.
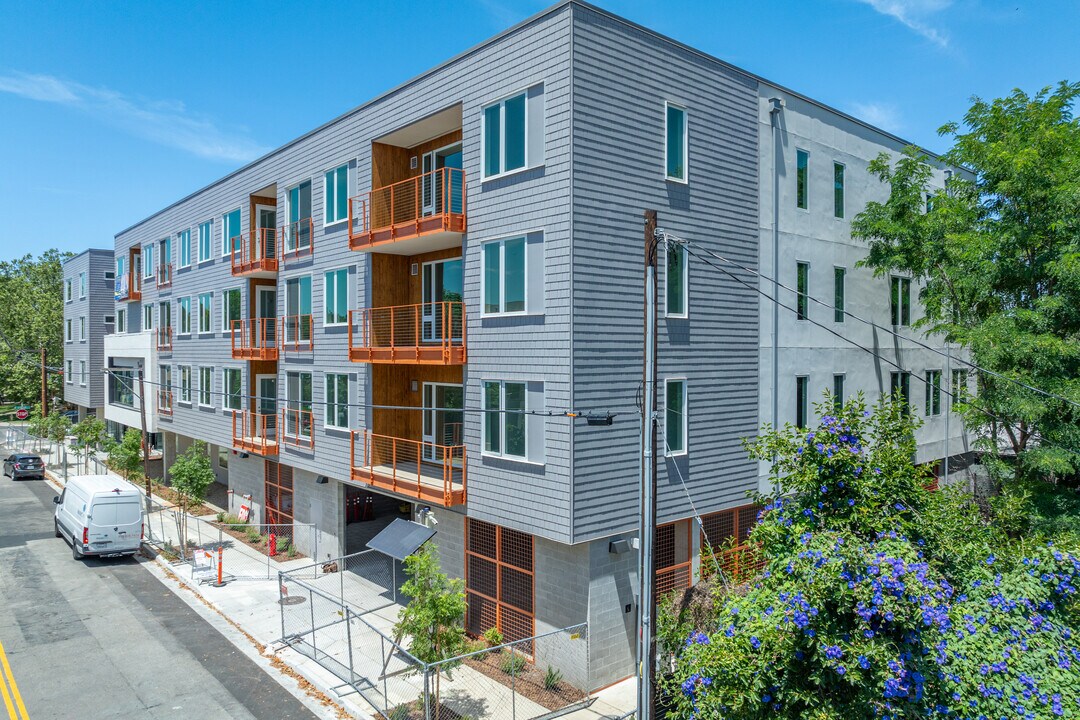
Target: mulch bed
x,y
415,711
529,681
239,533
166,493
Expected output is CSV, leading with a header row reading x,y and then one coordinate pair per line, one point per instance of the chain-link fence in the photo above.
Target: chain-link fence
x,y
338,613
59,459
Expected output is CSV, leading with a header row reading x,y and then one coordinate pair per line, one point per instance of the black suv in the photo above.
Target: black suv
x,y
22,465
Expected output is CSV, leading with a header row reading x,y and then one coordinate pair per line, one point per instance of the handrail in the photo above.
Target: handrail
x,y
430,202
257,432
425,333
254,338
165,402
427,471
164,275
298,428
255,252
164,337
297,333
301,234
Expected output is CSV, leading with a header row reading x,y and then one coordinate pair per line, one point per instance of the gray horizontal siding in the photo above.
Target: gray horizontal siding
x,y
97,303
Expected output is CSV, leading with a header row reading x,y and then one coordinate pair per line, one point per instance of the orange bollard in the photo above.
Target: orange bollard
x,y
219,582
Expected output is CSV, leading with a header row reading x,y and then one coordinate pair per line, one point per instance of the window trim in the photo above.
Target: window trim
x,y
209,225
225,394
69,372
225,326
180,371
288,213
501,102
210,314
180,315
327,404
181,245
502,454
147,253
69,290
82,329
148,316
121,324
226,248
799,150
326,194
685,281
82,373
348,296
209,391
69,330
524,237
685,143
82,285
685,416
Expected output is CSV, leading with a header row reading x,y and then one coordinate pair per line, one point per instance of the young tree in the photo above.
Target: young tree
x,y
57,428
127,456
434,620
90,434
880,598
998,256
191,477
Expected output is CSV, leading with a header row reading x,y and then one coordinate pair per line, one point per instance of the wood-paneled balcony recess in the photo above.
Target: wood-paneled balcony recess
x,y
414,216
164,337
297,428
165,402
164,275
255,254
255,432
297,334
129,285
255,339
297,241
424,334
426,471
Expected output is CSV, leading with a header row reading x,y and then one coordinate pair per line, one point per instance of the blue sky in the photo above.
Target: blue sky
x,y
109,110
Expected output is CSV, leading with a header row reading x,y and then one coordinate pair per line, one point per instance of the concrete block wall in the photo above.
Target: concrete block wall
x,y
450,539
247,477
613,585
561,599
321,506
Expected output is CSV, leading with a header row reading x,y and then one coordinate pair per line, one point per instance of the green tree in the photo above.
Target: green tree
x,y
880,598
191,476
90,434
126,457
434,620
999,256
31,293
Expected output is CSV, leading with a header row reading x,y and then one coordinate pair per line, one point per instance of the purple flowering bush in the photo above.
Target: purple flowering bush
x,y
880,598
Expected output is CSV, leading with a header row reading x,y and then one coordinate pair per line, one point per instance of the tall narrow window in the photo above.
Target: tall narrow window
x,y
959,385
298,234
677,285
802,286
802,409
839,282
504,136
69,373
838,190
504,419
185,383
148,317
69,335
82,373
121,320
802,165
232,384
901,301
838,391
298,305
900,384
336,296
165,315
675,417
184,240
82,329
336,195
148,261
298,404
337,400
504,276
206,301
230,309
677,153
230,232
933,392
67,289
184,305
82,285
206,379
205,236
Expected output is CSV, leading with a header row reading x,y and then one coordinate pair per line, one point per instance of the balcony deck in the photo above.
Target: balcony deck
x,y
255,254
424,334
410,468
255,433
414,216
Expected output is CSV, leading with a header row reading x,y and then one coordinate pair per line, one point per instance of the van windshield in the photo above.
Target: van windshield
x,y
117,513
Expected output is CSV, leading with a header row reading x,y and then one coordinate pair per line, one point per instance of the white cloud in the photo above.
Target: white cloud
x,y
915,14
167,122
883,115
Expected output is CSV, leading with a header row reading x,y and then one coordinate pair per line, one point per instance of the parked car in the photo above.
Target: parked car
x,y
23,465
99,515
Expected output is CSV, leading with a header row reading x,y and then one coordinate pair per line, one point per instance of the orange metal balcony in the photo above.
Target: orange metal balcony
x,y
164,338
297,428
254,339
412,468
165,275
297,240
424,334
255,432
255,253
394,218
164,402
297,333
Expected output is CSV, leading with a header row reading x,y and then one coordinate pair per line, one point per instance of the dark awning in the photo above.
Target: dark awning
x,y
400,538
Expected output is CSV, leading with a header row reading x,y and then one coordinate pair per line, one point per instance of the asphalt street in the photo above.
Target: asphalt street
x,y
97,639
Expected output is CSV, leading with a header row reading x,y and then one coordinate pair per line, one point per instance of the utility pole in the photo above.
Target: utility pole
x,y
44,391
145,448
647,525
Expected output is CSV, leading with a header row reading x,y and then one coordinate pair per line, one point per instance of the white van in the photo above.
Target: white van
x,y
99,515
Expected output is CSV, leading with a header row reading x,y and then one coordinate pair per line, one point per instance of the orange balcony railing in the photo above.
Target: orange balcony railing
x,y
255,432
254,339
255,252
430,203
165,275
427,471
129,287
164,338
297,240
424,334
297,333
165,402
297,428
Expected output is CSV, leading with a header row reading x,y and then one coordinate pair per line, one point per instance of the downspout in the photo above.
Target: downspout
x,y
774,121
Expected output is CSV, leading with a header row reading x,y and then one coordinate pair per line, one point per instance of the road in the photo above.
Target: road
x,y
106,639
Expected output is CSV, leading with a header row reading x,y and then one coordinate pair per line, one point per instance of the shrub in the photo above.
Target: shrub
x,y
401,712
493,637
253,535
221,517
552,678
513,663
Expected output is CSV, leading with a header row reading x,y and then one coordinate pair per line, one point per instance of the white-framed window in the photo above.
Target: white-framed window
x,y
802,401
676,145
108,320
232,385
512,277
206,390
337,400
68,325
298,415
512,133
82,328
206,235
184,308
336,296
121,320
230,308
933,392
82,285
82,373
206,306
148,317
677,277
183,238
336,195
69,372
185,384
67,290
148,261
298,232
675,416
119,267
504,419
230,232
109,276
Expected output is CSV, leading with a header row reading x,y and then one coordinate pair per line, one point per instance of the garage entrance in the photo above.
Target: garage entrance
x,y
367,513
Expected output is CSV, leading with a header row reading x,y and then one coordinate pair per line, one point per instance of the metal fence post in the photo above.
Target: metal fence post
x,y
427,692
588,662
311,602
281,602
386,697
513,685
348,639
341,580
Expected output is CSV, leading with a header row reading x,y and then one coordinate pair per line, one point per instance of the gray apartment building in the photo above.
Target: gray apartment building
x,y
421,300
88,317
